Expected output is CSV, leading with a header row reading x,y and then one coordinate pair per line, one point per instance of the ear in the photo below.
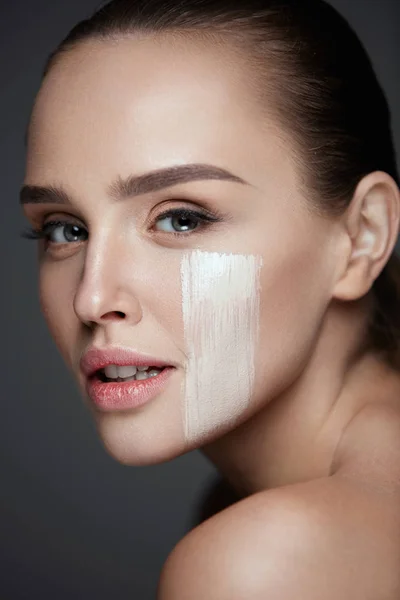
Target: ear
x,y
371,227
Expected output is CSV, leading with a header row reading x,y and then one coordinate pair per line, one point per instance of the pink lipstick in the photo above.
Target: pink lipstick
x,y
116,394
123,395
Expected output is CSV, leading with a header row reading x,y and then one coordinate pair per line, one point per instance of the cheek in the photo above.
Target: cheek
x,y
294,298
220,303
56,293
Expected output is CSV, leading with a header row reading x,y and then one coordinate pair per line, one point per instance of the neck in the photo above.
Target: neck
x,y
293,437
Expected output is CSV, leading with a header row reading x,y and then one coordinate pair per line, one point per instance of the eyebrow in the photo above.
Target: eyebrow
x,y
134,185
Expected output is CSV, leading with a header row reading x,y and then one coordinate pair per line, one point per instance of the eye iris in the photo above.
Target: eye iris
x,y
71,237
183,223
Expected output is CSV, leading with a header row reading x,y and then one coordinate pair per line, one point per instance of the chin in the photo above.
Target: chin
x,y
138,440
139,457
135,441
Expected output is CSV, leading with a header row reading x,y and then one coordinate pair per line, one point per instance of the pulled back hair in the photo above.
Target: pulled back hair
x,y
320,85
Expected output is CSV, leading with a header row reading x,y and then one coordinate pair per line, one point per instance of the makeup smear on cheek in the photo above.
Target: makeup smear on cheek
x,y
220,304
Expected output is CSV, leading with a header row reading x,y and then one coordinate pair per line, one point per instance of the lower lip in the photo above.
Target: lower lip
x,y
123,395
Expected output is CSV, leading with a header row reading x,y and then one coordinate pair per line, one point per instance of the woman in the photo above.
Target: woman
x,y
215,192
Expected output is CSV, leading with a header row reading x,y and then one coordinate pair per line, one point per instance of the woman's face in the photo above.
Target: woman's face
x,y
132,277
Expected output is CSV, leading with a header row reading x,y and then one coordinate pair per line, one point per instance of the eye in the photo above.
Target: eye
x,y
63,229
179,221
55,231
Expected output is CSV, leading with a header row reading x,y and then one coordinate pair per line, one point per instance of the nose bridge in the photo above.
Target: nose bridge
x,y
103,292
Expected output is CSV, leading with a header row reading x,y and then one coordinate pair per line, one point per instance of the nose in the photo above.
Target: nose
x,y
115,315
104,293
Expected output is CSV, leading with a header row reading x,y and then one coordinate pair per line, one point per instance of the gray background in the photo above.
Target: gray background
x,y
75,523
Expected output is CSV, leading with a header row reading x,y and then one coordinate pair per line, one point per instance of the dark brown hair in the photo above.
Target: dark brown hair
x,y
322,88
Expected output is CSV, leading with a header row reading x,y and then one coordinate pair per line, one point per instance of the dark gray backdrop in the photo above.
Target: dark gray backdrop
x,y
75,524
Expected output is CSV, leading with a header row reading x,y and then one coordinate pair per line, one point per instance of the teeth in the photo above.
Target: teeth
x,y
114,371
130,372
111,371
127,371
141,375
126,378
151,373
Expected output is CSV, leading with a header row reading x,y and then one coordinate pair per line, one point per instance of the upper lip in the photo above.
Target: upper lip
x,y
98,358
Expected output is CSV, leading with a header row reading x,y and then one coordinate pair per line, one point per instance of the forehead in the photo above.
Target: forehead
x,y
123,103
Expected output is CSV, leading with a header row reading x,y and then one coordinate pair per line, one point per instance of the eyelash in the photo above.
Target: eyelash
x,y
46,230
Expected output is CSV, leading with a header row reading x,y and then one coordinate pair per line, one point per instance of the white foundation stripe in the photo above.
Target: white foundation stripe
x,y
220,302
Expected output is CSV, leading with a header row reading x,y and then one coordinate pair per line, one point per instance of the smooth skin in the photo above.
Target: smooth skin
x,y
315,457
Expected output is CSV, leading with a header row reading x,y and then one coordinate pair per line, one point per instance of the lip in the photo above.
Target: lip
x,y
124,395
97,358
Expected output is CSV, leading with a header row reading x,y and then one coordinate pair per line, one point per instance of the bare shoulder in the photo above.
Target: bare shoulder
x,y
325,539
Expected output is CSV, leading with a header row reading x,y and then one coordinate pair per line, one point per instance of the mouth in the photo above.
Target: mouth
x,y
141,374
123,393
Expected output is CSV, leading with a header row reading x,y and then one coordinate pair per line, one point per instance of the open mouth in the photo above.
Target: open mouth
x,y
139,384
142,373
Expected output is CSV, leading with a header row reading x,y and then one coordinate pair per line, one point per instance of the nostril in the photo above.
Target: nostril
x,y
112,314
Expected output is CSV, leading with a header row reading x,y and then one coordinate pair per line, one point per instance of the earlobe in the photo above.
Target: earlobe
x,y
372,226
